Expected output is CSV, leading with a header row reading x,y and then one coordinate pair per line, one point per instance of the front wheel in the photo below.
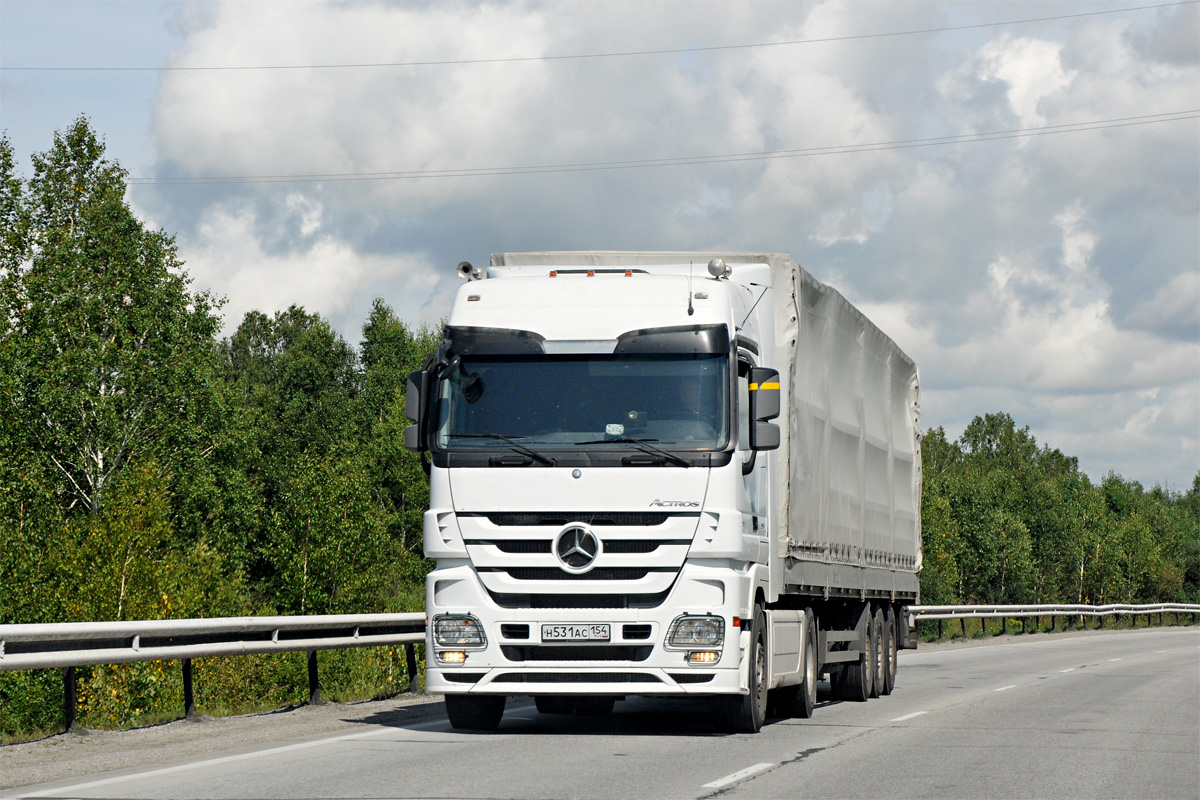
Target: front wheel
x,y
746,713
476,712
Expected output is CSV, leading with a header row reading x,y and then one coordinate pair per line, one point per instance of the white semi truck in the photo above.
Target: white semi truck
x,y
666,474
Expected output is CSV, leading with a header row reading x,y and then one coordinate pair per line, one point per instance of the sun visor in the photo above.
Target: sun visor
x,y
472,341
699,339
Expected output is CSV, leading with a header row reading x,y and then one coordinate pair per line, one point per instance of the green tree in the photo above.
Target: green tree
x,y
108,349
389,351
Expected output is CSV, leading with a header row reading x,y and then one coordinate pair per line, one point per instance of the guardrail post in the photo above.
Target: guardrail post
x,y
414,679
69,698
939,630
314,690
189,698
1004,625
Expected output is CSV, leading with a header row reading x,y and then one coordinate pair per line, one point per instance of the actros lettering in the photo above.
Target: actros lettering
x,y
675,504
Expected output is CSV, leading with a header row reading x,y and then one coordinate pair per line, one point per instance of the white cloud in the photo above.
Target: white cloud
x,y
1053,276
1175,304
1033,70
228,256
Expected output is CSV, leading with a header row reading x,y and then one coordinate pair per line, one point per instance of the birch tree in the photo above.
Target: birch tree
x,y
109,348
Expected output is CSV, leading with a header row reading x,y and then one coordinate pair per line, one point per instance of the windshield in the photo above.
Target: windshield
x,y
676,402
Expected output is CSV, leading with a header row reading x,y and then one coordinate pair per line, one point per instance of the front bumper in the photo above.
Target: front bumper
x,y
634,661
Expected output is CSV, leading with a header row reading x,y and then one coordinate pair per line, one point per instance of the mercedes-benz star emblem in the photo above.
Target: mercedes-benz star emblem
x,y
577,548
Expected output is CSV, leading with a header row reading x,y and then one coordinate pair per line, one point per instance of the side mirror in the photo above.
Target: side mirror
x,y
414,408
764,405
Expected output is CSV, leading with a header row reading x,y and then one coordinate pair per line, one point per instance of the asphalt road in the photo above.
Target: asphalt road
x,y
1107,715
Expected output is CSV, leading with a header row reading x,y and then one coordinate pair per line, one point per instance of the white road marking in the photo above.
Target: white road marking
x,y
909,716
1160,651
1113,659
736,776
68,790
1004,688
1068,669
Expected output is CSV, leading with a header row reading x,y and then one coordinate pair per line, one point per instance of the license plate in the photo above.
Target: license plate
x,y
576,633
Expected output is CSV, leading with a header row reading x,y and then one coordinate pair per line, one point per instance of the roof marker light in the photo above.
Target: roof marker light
x,y
553,273
591,273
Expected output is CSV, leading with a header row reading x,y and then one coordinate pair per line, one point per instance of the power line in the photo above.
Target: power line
x,y
723,158
618,54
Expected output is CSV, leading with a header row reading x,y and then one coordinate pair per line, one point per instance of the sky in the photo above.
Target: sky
x,y
1014,199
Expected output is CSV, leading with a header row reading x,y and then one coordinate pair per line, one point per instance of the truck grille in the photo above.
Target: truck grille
x,y
598,574
576,677
525,546
641,553
641,519
595,652
577,600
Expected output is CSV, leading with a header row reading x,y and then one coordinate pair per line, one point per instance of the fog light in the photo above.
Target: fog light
x,y
703,657
452,657
460,631
706,631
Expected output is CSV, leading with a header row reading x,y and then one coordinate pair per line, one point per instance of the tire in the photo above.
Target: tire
x,y
800,700
746,713
891,646
808,689
855,680
879,655
475,712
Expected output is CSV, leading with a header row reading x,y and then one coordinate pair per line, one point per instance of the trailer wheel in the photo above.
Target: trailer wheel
x,y
879,653
746,713
854,681
477,712
891,646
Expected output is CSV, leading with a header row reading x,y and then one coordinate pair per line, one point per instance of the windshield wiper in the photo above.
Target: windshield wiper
x,y
645,447
520,448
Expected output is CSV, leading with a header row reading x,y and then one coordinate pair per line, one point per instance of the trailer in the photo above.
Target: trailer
x,y
664,474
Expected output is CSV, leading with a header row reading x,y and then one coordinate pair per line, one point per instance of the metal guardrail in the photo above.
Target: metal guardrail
x,y
1022,612
1017,611
75,644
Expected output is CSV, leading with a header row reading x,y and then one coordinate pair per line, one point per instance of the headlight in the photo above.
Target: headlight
x,y
458,631
707,631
